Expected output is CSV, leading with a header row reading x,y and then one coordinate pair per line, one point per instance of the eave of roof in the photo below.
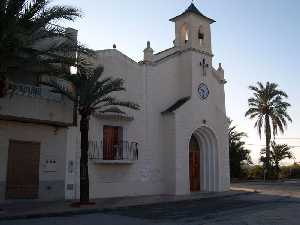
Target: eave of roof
x,y
193,9
35,121
176,105
116,117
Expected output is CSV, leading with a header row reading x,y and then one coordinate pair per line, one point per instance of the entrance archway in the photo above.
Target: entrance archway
x,y
203,161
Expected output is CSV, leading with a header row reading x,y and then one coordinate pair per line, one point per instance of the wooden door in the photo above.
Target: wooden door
x,y
23,170
194,164
112,137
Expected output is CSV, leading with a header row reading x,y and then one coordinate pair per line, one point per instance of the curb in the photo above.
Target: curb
x,y
174,201
246,190
54,214
107,209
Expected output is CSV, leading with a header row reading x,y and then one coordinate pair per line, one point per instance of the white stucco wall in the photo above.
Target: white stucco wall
x,y
169,154
191,115
143,176
37,109
52,147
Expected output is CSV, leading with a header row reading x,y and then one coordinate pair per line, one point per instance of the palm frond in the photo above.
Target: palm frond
x,y
268,100
58,88
56,13
111,110
25,24
32,8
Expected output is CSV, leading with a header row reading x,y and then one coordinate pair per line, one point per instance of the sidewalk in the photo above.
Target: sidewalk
x,y
288,188
34,209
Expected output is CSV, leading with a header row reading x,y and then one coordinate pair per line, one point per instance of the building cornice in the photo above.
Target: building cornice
x,y
179,52
117,117
35,121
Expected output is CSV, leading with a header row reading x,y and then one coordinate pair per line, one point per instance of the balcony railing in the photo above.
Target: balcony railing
x,y
122,152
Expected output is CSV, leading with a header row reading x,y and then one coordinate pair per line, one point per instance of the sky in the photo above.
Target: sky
x,y
254,40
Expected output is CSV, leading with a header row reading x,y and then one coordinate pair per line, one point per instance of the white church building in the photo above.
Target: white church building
x,y
176,144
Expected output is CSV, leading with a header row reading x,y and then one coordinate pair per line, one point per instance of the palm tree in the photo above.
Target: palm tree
x,y
238,154
270,111
90,95
279,152
26,26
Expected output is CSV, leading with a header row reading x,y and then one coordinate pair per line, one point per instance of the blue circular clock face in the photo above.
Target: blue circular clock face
x,y
203,91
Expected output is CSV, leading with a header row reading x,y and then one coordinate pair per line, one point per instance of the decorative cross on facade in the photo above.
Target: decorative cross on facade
x,y
204,66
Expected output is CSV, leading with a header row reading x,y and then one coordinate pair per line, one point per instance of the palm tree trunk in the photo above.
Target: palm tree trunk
x,y
268,140
75,113
84,175
277,169
3,81
2,87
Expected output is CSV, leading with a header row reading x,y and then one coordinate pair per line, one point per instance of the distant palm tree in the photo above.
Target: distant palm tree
x,y
238,154
26,26
279,152
90,95
270,111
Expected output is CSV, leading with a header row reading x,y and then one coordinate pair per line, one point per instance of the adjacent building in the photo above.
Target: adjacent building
x,y
34,126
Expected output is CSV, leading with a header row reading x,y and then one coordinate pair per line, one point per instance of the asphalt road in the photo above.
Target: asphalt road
x,y
250,209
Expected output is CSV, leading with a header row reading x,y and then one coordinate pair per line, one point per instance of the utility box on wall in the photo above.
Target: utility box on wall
x,y
50,166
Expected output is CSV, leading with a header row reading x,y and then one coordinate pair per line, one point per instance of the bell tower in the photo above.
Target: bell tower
x,y
192,30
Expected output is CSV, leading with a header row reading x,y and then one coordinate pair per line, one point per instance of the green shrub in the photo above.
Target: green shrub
x,y
291,172
255,172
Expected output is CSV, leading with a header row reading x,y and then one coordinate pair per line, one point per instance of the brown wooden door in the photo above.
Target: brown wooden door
x,y
194,164
23,170
112,137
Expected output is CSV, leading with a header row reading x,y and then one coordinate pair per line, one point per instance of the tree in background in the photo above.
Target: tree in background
x,y
290,171
91,94
238,154
31,41
269,109
279,152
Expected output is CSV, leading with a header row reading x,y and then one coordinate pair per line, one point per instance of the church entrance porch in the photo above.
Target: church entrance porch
x,y
203,161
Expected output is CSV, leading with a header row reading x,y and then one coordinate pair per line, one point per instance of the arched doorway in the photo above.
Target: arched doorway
x,y
194,152
203,161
